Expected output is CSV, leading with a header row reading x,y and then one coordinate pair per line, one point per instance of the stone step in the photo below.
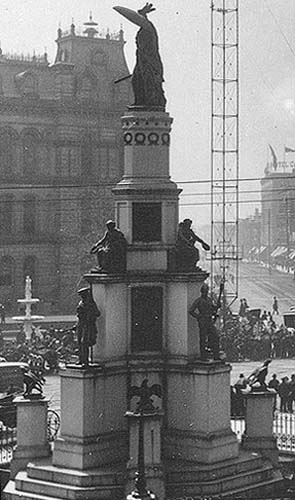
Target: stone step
x,y
219,485
184,472
44,471
258,490
27,485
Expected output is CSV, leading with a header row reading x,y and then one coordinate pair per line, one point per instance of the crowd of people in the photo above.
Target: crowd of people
x,y
284,389
46,349
254,334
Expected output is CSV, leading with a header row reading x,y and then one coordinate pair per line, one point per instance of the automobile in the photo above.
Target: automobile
x,y
289,318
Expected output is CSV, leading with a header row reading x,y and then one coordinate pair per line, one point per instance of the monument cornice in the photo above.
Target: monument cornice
x,y
147,277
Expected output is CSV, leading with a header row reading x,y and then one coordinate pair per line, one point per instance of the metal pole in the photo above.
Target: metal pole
x,y
287,231
268,241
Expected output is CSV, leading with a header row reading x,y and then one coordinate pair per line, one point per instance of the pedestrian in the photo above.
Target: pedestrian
x,y
291,397
2,313
274,383
240,384
284,391
264,316
246,305
241,310
275,306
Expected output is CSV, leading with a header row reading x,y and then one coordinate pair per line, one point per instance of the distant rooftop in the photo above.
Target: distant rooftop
x,y
281,167
28,58
90,30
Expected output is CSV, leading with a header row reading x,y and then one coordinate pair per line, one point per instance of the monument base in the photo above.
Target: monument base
x,y
258,435
205,448
32,439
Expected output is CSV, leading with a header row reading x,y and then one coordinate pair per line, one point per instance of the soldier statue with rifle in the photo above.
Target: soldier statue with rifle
x,y
205,311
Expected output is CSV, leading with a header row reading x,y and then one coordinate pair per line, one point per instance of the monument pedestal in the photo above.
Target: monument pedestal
x,y
198,412
258,435
91,435
32,441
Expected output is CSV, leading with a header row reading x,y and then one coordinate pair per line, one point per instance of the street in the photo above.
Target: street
x,y
259,287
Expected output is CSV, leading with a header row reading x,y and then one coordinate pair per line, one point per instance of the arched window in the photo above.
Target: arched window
x,y
29,86
6,214
86,155
6,271
29,268
7,152
85,88
30,145
30,215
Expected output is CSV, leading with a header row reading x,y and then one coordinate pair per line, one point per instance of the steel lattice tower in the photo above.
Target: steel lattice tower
x,y
225,146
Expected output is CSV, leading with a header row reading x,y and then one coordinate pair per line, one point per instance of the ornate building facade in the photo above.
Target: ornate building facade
x,y
61,153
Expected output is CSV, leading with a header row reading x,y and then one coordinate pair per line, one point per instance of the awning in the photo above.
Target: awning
x,y
278,251
262,251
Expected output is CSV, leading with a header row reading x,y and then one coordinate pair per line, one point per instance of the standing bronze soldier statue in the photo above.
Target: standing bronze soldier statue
x,y
87,313
205,311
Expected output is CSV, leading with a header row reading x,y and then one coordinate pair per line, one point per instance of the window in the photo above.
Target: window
x,y
6,271
29,216
146,318
30,155
86,155
7,152
146,222
29,268
29,86
6,211
86,216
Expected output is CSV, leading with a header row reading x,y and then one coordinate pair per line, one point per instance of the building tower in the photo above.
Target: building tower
x,y
225,146
61,152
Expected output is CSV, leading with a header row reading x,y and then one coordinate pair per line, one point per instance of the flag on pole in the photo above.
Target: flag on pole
x,y
274,157
289,150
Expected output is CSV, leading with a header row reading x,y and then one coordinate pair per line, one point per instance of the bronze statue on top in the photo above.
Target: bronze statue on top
x,y
147,78
111,250
187,255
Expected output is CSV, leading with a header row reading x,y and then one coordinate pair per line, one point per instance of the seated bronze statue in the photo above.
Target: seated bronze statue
x,y
187,255
111,250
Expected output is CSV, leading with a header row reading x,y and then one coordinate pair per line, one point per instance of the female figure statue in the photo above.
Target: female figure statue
x,y
147,76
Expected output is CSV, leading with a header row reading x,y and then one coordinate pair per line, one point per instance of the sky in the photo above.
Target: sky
x,y
267,80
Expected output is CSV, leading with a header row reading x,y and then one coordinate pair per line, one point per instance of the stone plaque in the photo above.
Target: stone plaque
x,y
146,318
146,222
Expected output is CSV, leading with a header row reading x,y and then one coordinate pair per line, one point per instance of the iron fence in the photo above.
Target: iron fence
x,y
283,429
7,443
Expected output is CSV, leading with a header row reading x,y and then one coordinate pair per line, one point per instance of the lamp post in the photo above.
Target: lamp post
x,y
144,409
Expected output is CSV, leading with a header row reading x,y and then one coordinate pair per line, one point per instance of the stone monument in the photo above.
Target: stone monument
x,y
146,331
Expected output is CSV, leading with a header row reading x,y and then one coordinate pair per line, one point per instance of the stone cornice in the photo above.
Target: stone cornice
x,y
131,277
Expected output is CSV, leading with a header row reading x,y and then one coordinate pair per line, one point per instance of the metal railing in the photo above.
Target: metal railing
x,y
283,429
7,443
